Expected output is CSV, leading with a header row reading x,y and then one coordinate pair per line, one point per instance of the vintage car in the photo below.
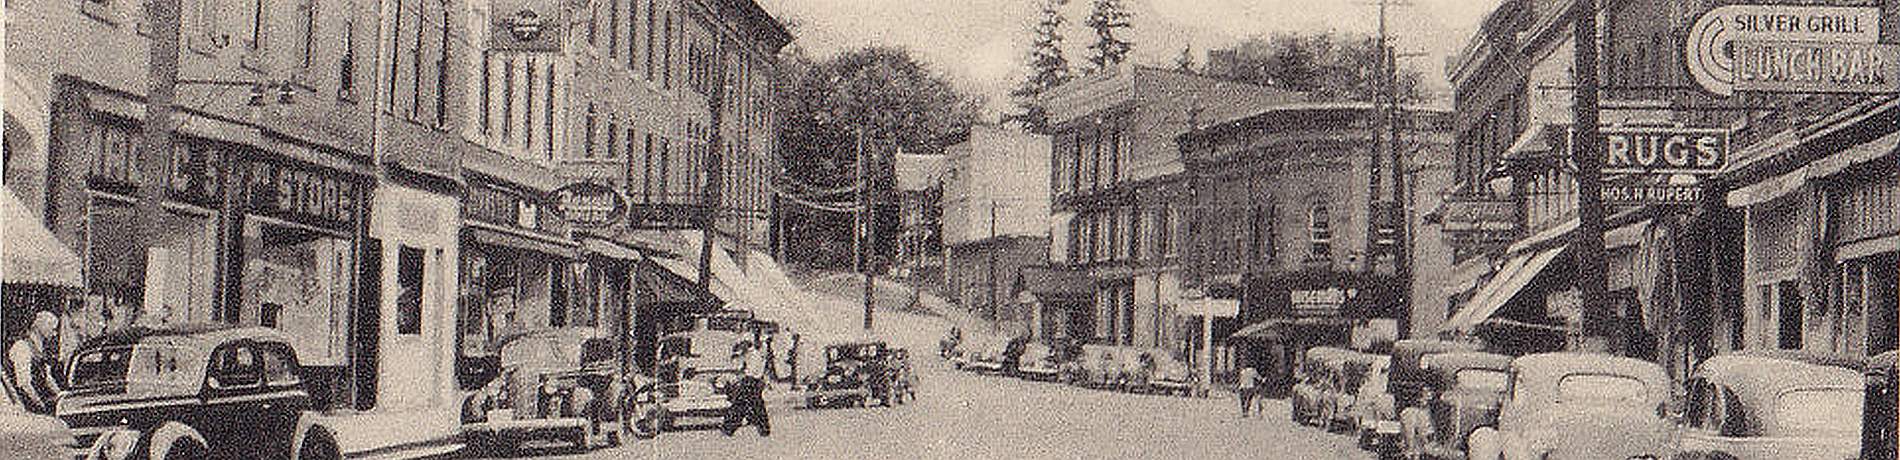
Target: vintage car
x,y
191,392
1376,416
555,385
854,374
1314,384
1877,438
1339,409
29,436
1167,374
903,378
989,357
1742,407
1462,394
659,405
1407,377
1039,363
1098,366
1570,405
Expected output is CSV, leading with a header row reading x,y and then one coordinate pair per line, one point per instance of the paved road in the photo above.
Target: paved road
x,y
962,416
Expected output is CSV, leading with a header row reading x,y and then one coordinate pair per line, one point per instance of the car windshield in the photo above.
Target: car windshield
x,y
141,364
1601,388
538,350
671,347
1826,412
1482,379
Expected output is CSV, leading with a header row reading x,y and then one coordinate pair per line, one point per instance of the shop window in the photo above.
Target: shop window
x,y
409,271
1787,298
181,265
302,274
1320,228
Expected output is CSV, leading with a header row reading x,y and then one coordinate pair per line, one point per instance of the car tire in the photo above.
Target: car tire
x,y
181,449
319,444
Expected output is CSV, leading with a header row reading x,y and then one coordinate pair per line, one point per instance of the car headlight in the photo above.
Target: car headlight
x,y
115,445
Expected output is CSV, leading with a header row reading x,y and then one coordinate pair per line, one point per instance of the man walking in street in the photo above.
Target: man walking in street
x,y
1246,388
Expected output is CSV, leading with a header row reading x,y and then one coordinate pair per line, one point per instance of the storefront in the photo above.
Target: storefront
x,y
1822,238
414,243
517,265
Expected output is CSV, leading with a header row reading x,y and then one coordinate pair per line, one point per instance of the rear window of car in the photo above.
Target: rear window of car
x,y
1482,379
538,350
1601,388
1829,412
149,364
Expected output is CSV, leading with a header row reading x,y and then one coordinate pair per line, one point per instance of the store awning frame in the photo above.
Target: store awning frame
x,y
32,255
494,235
1503,287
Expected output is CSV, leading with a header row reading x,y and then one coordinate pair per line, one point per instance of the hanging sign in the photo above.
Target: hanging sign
x,y
1663,150
1725,35
590,204
1645,194
1817,67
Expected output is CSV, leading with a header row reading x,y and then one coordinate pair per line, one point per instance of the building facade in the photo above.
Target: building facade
x,y
919,180
1116,182
995,221
1291,215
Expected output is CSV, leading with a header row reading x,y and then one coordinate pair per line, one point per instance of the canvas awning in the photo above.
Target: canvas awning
x,y
32,255
1503,287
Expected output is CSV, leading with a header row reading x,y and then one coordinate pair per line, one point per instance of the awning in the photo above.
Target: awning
x,y
493,235
1776,187
1534,141
1260,330
32,255
1502,288
609,249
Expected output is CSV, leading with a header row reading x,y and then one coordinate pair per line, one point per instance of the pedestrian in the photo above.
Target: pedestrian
x,y
31,362
1247,387
746,395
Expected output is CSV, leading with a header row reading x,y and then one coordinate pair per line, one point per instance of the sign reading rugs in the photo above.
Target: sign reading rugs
x,y
1322,302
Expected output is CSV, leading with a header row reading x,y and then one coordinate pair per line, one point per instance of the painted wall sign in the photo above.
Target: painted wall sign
x,y
1817,67
526,25
1712,51
590,204
1664,150
1480,215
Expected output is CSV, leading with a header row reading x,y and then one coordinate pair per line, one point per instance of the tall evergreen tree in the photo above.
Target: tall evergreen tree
x,y
1108,49
1048,68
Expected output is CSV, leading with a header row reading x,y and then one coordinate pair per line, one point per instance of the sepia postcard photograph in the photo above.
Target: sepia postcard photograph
x,y
950,229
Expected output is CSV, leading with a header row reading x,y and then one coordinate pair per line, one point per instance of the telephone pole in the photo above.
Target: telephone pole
x,y
994,246
1399,206
1598,319
862,224
156,140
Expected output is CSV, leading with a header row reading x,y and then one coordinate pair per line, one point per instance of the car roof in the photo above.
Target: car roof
x,y
193,333
1810,356
1429,346
1883,361
1451,362
566,333
1569,362
1757,379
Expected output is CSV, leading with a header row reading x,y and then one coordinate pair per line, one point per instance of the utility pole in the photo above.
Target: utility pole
x,y
1598,320
1400,206
993,247
156,151
862,224
709,195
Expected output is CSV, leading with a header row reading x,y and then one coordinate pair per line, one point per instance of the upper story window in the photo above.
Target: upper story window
x,y
1320,229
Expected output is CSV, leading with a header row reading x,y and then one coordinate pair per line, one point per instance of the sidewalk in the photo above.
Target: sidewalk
x,y
413,434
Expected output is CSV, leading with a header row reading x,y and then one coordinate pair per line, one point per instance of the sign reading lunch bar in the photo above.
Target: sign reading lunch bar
x,y
1789,48
1817,67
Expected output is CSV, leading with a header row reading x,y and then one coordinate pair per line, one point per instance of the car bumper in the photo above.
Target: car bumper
x,y
697,408
1382,434
525,429
837,393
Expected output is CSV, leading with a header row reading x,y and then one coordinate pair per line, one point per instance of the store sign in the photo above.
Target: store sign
x,y
300,192
500,206
1321,302
1480,216
1817,67
526,25
1722,41
590,204
1644,194
1664,150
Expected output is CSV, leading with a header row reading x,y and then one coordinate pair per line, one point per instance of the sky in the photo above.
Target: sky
x,y
982,45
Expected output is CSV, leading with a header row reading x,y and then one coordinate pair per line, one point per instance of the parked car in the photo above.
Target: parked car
x,y
1407,378
854,374
1339,410
989,358
1376,415
903,377
1314,380
555,385
200,391
1039,363
29,436
1099,366
659,405
1462,393
1877,438
1570,405
1168,374
1743,407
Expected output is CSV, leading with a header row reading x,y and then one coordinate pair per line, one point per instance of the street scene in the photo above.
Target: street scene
x,y
857,229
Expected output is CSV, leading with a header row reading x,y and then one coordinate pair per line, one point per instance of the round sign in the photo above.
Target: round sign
x,y
525,25
591,204
1711,53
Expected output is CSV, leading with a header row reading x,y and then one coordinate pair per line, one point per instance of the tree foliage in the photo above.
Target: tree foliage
x,y
1048,68
1325,65
1106,19
897,103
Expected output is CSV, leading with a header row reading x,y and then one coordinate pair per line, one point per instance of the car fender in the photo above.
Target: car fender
x,y
308,429
1484,443
170,434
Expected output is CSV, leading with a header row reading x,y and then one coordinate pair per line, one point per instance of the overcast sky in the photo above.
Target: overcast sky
x,y
982,44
